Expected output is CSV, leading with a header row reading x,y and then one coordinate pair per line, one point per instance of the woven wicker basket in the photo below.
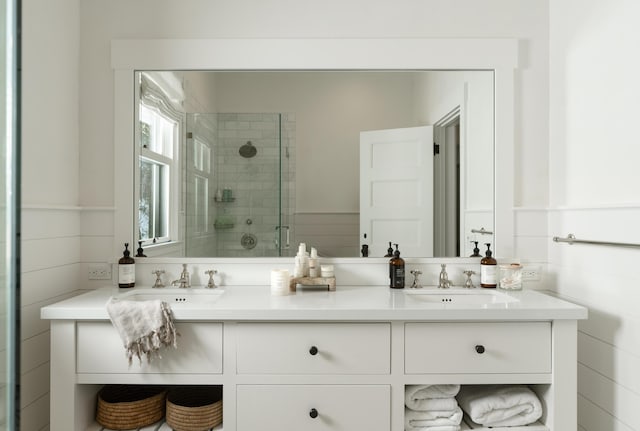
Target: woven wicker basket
x,y
194,408
125,407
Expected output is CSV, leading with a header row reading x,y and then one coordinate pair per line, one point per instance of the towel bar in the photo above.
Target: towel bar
x,y
571,239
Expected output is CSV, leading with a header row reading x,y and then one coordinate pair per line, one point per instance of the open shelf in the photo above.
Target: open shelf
x,y
159,426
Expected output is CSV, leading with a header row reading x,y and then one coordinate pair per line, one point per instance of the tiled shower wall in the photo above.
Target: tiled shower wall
x,y
246,225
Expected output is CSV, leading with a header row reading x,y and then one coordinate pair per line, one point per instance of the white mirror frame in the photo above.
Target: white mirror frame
x,y
499,55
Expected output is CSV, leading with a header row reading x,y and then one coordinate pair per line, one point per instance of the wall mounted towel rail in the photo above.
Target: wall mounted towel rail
x,y
482,231
571,239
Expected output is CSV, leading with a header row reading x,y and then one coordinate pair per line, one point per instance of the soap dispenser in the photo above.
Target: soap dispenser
x,y
389,251
126,269
488,269
396,270
476,250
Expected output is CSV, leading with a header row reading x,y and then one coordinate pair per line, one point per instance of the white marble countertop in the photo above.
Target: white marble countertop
x,y
347,303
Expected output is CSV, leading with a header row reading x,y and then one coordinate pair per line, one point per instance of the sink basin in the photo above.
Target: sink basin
x,y
174,297
460,297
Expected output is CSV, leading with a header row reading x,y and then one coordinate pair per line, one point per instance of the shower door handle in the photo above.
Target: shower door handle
x,y
286,242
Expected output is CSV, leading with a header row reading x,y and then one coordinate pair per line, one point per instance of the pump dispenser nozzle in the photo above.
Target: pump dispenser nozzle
x,y
389,251
476,250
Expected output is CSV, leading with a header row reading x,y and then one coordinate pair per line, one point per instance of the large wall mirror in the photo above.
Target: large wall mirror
x,y
334,150
263,160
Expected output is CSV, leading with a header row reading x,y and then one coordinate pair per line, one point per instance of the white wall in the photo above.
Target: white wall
x,y
594,179
51,227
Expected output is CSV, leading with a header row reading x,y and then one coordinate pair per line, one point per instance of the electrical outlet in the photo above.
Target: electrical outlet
x,y
100,271
531,273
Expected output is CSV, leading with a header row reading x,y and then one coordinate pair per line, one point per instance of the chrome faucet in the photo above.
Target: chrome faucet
x,y
183,282
416,283
443,279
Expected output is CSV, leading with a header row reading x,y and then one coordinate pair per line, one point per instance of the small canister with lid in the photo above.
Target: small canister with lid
x,y
510,276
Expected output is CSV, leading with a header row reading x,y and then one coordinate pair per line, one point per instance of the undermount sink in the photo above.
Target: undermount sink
x,y
460,297
173,297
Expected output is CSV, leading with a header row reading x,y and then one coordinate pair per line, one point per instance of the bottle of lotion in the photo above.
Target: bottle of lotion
x,y
488,269
396,270
314,267
126,269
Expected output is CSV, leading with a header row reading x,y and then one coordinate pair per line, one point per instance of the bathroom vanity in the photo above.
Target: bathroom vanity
x,y
319,360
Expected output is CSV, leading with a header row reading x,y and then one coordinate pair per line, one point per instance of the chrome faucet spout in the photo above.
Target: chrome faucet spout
x,y
443,279
183,282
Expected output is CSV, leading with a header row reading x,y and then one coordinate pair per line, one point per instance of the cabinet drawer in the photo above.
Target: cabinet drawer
x,y
314,348
454,348
100,350
335,407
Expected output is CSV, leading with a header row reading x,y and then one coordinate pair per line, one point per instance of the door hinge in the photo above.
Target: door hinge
x,y
436,149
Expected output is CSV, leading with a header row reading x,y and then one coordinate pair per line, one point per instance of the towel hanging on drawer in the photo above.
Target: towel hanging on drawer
x,y
144,326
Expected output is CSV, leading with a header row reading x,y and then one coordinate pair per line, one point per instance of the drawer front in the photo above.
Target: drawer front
x,y
454,348
313,408
314,348
100,350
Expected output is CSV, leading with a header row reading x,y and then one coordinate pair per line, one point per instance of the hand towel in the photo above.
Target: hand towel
x,y
426,421
144,326
500,405
425,397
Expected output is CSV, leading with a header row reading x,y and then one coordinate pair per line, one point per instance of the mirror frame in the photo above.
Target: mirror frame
x,y
498,55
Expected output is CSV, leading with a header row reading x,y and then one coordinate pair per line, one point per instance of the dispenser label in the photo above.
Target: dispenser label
x,y
127,273
397,277
488,274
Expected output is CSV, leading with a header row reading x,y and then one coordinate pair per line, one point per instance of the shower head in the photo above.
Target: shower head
x,y
247,150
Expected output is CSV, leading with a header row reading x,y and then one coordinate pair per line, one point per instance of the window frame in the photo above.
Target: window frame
x,y
173,186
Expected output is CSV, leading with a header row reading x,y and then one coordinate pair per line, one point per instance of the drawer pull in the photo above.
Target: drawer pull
x,y
313,413
480,349
313,351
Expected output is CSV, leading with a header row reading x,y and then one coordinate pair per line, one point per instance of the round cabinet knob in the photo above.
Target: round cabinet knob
x,y
313,413
313,351
480,349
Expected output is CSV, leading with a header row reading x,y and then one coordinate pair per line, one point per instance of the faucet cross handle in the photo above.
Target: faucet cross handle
x,y
211,284
416,283
469,283
158,283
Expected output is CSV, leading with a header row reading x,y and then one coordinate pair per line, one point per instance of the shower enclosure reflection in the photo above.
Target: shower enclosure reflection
x,y
239,170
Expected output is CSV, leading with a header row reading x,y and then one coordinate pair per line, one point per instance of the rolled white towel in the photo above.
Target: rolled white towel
x,y
432,420
499,405
420,392
433,404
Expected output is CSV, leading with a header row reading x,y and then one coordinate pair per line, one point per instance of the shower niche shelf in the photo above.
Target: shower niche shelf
x,y
223,225
224,201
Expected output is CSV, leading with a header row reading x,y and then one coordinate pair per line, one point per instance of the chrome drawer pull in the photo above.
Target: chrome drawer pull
x,y
313,413
480,349
313,350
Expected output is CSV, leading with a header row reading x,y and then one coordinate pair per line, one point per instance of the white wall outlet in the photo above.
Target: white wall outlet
x,y
531,273
100,271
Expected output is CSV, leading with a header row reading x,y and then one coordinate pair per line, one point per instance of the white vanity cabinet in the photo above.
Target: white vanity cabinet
x,y
322,370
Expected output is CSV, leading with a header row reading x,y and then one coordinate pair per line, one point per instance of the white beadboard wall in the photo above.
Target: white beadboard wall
x,y
593,179
605,280
50,272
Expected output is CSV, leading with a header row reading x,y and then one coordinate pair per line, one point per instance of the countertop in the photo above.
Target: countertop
x,y
347,303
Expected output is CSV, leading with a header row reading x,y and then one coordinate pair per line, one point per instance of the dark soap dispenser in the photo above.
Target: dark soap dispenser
x,y
488,269
476,250
396,270
126,269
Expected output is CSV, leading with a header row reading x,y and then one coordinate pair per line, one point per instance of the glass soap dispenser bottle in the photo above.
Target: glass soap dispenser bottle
x,y
488,269
396,270
126,269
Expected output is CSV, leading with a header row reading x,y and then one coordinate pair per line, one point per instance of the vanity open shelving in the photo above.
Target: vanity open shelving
x,y
322,359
